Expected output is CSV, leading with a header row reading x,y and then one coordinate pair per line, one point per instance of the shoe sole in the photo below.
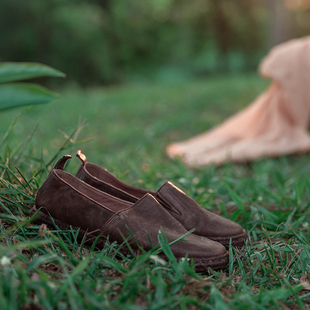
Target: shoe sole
x,y
200,264
236,241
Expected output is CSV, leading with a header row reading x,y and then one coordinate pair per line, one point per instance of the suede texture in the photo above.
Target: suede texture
x,y
149,217
182,207
191,215
74,202
63,202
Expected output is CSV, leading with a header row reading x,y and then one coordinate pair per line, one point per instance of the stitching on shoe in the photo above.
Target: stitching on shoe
x,y
145,191
87,185
228,237
93,188
199,263
111,221
107,225
84,168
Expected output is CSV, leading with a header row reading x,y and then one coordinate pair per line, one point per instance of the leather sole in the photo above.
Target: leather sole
x,y
200,264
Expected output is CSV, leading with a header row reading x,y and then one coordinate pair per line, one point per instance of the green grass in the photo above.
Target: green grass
x,y
141,119
130,127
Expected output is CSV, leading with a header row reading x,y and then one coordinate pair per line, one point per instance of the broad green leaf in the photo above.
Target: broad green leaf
x,y
16,71
22,94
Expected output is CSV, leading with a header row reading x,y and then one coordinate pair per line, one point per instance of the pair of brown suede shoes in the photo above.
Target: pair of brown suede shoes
x,y
102,205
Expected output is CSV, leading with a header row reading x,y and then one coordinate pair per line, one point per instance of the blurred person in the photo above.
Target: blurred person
x,y
275,124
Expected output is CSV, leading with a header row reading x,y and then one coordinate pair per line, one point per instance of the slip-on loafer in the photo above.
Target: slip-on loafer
x,y
72,202
182,207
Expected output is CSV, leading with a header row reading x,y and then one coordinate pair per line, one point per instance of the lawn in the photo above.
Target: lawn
x,y
129,127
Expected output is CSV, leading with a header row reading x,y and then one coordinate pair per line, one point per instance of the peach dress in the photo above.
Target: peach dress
x,y
276,123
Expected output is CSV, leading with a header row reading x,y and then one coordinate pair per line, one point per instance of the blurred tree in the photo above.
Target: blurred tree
x,y
282,23
105,41
223,32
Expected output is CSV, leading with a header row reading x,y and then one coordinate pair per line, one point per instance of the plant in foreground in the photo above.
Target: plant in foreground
x,y
15,94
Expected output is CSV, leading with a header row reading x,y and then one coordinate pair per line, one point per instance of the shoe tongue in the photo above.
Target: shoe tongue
x,y
61,162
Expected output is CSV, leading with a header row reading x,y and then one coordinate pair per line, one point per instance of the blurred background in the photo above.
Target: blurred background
x,y
140,73
100,42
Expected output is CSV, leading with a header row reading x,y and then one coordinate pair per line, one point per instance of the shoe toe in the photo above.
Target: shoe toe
x,y
220,229
225,230
207,253
204,252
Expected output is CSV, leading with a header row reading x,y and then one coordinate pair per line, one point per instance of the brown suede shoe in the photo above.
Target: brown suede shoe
x,y
183,208
72,202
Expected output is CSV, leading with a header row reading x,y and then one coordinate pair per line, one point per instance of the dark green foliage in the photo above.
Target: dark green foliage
x,y
110,41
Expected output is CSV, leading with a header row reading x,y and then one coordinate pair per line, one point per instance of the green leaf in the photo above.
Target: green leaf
x,y
22,94
14,71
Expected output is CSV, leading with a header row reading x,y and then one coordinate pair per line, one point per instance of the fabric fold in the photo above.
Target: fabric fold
x,y
274,124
